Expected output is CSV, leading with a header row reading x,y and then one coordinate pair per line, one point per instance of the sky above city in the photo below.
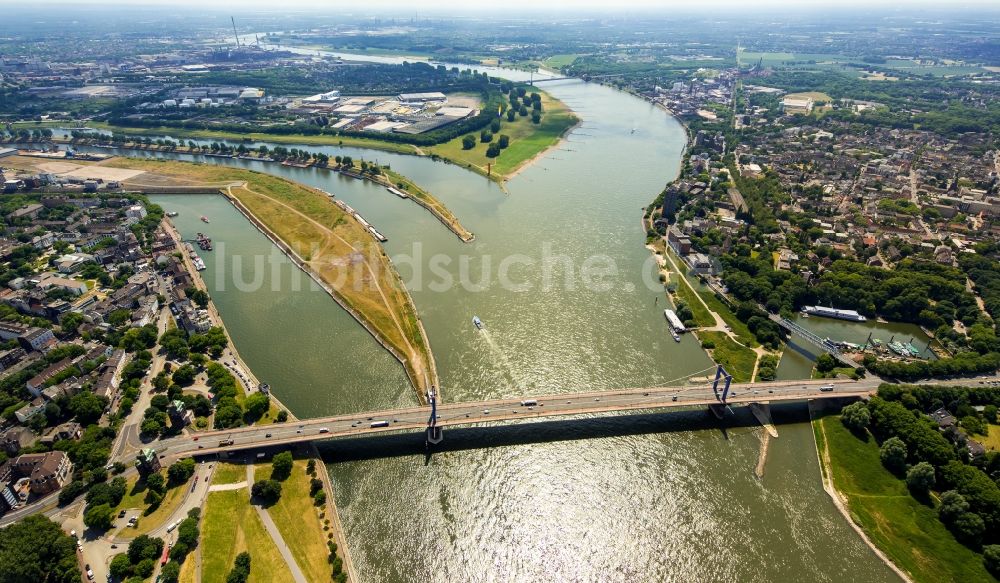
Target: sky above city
x,y
568,6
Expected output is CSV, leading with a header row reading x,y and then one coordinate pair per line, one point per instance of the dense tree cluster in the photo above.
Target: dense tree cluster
x,y
914,447
139,560
36,549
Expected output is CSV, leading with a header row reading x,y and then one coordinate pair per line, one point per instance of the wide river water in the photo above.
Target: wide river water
x,y
660,497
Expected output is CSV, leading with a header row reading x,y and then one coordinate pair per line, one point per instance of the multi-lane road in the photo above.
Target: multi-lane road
x,y
528,407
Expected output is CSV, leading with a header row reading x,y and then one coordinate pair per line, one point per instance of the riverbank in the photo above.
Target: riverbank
x,y
905,534
328,244
251,382
421,196
528,141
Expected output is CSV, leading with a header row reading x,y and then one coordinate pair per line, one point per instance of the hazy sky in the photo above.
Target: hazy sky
x,y
568,6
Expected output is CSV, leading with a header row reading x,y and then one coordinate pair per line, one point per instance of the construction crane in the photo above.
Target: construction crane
x,y
234,31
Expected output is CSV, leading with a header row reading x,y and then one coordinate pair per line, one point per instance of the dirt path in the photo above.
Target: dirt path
x,y
275,534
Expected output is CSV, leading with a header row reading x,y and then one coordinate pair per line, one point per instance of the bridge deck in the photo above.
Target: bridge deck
x,y
453,414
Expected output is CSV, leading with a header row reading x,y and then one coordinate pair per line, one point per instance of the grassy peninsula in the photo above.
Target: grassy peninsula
x,y
329,243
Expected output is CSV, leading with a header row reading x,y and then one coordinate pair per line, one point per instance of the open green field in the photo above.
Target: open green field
x,y
814,95
738,360
230,526
527,140
908,532
226,473
298,520
792,59
992,441
559,61
327,239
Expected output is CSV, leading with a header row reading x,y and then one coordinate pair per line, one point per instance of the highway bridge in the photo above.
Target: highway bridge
x,y
531,407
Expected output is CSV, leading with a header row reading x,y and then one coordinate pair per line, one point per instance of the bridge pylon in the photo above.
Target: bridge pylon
x,y
434,433
718,409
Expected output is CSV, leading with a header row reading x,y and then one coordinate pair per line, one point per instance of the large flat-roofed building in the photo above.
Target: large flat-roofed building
x,y
422,97
797,104
328,97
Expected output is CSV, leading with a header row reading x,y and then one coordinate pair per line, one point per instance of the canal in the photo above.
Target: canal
x,y
612,498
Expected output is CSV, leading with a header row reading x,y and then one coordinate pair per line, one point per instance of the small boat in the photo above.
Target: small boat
x,y
676,336
477,322
171,213
204,219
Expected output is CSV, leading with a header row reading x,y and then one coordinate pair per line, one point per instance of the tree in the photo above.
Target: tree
x,y
311,467
171,572
493,150
969,528
174,343
256,405
825,363
536,117
98,517
856,418
120,566
144,547
184,375
87,407
952,506
282,416
180,471
71,322
268,491
468,142
228,413
893,454
145,568
36,549
151,427
920,478
71,491
503,141
198,296
156,482
281,466
187,532
241,569
991,559
973,424
319,497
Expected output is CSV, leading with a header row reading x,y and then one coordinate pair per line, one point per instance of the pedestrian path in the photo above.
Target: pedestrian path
x,y
272,530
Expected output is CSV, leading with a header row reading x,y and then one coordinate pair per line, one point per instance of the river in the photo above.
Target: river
x,y
612,498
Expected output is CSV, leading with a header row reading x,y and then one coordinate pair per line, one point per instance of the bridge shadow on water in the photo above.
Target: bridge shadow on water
x,y
391,445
